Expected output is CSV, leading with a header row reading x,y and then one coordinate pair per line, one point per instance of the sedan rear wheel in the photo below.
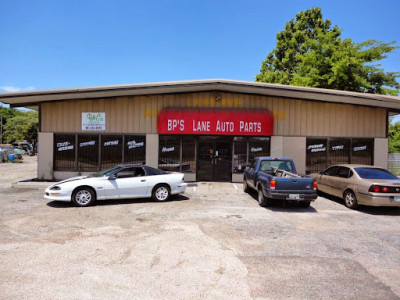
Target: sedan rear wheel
x,y
350,200
83,197
161,193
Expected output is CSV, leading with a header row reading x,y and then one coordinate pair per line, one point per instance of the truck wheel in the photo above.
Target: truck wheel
x,y
304,204
262,200
246,188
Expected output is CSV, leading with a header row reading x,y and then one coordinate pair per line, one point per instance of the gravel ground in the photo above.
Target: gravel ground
x,y
213,242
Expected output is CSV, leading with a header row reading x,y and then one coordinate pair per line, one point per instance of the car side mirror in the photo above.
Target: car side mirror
x,y
321,173
112,177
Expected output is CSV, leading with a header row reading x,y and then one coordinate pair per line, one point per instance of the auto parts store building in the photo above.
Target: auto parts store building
x,y
208,129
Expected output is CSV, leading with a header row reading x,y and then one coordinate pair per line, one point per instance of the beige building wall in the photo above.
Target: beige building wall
x,y
152,150
381,151
295,148
45,155
277,146
294,120
292,117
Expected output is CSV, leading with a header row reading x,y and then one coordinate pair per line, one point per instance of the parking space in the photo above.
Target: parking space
x,y
213,242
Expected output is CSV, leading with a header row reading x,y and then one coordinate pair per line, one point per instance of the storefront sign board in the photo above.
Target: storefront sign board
x,y
93,121
216,122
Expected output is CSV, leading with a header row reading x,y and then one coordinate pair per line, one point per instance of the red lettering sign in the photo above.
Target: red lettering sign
x,y
215,122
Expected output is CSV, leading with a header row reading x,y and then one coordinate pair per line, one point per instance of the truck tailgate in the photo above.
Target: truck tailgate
x,y
299,184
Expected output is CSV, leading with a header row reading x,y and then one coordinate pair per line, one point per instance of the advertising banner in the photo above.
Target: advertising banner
x,y
216,122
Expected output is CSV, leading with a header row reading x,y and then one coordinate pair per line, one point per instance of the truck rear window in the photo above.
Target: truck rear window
x,y
269,165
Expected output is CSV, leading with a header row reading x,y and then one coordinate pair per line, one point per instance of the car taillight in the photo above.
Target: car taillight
x,y
378,189
374,189
272,184
315,185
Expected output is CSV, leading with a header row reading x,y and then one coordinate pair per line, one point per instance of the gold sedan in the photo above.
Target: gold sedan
x,y
360,184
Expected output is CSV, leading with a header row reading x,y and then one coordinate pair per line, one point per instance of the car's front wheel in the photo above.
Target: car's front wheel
x,y
161,193
83,196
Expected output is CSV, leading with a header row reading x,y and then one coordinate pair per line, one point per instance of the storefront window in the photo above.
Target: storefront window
x,y
362,151
239,154
135,149
88,153
188,154
64,152
316,155
339,151
258,147
111,151
170,153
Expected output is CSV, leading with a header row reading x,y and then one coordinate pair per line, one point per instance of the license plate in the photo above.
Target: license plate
x,y
396,199
297,196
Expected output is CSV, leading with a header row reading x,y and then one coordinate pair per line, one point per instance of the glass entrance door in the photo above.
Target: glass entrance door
x,y
214,159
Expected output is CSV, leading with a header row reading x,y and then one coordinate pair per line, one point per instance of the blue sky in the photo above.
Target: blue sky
x,y
46,44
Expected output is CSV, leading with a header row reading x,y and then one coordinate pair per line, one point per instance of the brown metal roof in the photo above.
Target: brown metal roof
x,y
33,98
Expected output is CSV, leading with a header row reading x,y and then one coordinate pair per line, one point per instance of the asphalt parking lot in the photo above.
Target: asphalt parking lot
x,y
213,242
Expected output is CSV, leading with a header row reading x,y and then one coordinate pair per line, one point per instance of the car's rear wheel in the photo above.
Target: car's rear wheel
x,y
262,200
83,196
350,200
161,192
246,188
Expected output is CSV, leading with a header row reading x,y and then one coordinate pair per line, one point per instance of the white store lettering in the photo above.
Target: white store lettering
x,y
173,124
170,149
250,126
133,144
225,126
91,143
201,126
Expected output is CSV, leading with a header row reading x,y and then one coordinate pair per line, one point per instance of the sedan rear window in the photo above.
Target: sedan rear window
x,y
374,173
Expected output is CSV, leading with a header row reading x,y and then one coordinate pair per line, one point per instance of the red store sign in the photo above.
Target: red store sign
x,y
215,122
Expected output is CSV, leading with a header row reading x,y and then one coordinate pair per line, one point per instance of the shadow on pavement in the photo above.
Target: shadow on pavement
x,y
372,210
61,204
285,206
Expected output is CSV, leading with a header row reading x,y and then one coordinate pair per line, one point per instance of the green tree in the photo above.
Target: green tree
x,y
310,52
21,127
394,137
6,113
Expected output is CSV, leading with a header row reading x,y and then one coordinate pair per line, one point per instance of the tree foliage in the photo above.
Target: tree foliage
x,y
394,137
19,125
310,52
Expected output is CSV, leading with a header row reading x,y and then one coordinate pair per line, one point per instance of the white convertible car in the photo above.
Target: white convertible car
x,y
119,182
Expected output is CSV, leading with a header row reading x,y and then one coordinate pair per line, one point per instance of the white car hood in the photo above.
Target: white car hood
x,y
70,179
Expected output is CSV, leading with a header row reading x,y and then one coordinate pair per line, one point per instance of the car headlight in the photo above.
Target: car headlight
x,y
55,188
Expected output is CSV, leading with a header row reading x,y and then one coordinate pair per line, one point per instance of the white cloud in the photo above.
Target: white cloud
x,y
10,89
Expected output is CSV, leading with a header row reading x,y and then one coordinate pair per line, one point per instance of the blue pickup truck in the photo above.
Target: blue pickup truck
x,y
276,178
